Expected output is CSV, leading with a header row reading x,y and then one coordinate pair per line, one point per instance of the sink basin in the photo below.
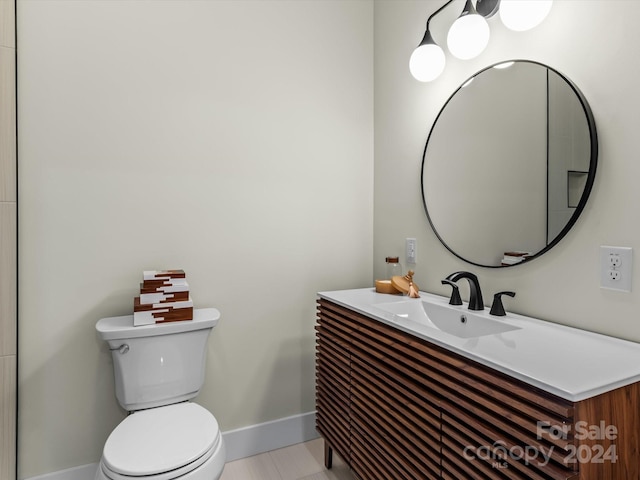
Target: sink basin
x,y
460,322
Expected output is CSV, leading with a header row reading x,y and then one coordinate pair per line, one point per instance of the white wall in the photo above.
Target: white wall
x,y
562,285
233,139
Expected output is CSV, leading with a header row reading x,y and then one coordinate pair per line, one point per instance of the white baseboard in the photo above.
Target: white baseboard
x,y
240,443
83,472
263,437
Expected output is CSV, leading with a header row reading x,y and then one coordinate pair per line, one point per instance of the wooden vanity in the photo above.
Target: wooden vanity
x,y
396,406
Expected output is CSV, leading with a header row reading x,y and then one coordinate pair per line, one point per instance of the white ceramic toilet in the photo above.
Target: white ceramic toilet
x,y
158,369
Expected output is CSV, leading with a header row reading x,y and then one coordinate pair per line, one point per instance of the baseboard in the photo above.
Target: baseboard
x,y
83,472
240,443
263,437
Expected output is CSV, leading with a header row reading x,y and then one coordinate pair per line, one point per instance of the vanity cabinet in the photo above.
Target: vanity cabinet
x,y
395,406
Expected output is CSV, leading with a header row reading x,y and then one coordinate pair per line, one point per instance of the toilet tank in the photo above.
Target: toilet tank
x,y
158,364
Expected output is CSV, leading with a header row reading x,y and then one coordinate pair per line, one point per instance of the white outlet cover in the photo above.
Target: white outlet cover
x,y
625,256
411,251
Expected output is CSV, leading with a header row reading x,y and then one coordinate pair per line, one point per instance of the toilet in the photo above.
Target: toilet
x,y
158,369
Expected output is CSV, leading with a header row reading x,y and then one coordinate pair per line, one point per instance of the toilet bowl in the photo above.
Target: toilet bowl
x,y
164,443
158,369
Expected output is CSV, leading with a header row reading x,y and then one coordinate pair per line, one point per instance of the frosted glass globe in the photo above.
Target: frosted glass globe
x,y
468,36
521,15
427,62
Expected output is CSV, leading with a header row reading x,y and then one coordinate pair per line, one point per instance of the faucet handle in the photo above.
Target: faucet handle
x,y
455,293
497,308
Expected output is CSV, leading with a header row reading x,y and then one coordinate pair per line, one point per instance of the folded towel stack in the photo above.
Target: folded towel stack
x,y
514,257
164,297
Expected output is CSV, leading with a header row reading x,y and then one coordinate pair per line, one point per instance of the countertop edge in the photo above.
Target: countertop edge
x,y
552,389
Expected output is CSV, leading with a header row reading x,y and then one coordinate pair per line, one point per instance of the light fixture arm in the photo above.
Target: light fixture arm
x,y
469,34
436,13
486,8
467,38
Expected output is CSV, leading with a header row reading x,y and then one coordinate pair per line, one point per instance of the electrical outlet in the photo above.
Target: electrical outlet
x,y
411,250
615,268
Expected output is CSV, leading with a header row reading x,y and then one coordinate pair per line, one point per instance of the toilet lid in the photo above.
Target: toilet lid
x,y
160,439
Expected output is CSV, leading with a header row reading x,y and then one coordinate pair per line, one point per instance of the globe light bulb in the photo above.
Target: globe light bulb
x,y
468,36
427,62
521,15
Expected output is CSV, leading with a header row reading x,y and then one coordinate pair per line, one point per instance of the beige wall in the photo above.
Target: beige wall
x,y
8,241
260,122
233,139
563,285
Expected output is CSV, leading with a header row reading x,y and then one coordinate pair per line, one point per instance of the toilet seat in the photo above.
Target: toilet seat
x,y
170,475
163,442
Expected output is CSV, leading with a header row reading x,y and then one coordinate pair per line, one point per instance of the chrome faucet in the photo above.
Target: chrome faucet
x,y
475,294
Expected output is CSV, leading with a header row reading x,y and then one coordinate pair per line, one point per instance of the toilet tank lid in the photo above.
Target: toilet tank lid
x,y
114,328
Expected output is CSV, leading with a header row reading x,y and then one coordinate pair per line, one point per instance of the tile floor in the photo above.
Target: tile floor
x,y
303,461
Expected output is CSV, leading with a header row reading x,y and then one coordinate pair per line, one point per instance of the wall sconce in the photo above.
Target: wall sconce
x,y
469,35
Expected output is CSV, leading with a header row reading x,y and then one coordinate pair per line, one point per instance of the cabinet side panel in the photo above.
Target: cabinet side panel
x,y
333,364
607,432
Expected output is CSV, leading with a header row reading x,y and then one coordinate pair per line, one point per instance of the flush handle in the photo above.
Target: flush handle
x,y
124,348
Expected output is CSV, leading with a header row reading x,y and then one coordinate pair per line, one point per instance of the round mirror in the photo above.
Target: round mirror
x,y
509,164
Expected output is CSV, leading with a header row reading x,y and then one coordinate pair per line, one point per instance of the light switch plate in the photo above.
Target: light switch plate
x,y
616,265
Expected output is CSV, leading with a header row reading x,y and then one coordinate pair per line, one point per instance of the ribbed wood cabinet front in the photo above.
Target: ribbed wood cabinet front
x,y
333,384
397,407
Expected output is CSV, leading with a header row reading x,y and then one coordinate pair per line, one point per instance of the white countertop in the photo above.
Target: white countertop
x,y
568,362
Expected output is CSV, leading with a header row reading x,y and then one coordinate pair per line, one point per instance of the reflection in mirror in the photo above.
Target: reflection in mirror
x,y
509,164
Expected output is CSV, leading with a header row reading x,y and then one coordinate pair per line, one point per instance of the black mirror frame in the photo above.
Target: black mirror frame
x,y
593,164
